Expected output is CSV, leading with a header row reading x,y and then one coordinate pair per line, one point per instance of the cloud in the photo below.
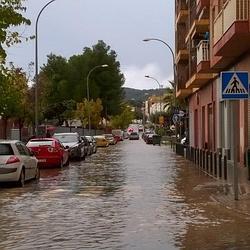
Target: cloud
x,y
135,76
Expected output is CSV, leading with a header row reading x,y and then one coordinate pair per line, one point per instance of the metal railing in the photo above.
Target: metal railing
x,y
203,51
232,11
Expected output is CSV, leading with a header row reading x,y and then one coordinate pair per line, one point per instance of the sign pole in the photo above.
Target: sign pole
x,y
235,87
235,150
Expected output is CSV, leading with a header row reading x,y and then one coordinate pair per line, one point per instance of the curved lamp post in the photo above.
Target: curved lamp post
x,y
36,66
147,76
172,53
174,65
97,66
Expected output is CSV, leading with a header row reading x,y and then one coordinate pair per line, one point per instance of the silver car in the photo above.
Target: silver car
x,y
17,163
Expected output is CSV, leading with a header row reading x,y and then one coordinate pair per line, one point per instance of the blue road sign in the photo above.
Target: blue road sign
x,y
234,85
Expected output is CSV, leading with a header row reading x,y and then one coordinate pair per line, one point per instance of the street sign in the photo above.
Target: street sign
x,y
234,85
181,113
175,118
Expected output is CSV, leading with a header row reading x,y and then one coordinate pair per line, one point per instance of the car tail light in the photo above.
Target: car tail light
x,y
52,150
13,159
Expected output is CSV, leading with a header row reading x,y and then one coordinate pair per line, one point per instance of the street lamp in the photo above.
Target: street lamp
x,y
97,66
36,66
147,76
172,53
174,65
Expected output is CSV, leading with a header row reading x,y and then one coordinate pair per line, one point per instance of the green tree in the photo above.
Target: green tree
x,y
94,107
81,112
14,96
96,110
62,79
11,14
124,119
172,104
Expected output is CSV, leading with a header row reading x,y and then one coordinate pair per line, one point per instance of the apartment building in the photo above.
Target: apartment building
x,y
154,104
212,36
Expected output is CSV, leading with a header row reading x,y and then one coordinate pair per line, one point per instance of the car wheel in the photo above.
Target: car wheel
x,y
21,180
67,162
37,176
61,163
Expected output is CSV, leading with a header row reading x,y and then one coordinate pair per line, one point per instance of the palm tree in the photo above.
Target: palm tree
x,y
171,102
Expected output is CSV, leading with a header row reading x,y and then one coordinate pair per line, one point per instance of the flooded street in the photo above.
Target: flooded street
x,y
128,196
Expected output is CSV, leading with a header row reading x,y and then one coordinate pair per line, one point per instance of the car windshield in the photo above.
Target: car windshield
x,y
37,143
67,138
6,149
117,132
109,136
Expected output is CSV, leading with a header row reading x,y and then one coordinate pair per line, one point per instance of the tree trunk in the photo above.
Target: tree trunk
x,y
20,125
5,122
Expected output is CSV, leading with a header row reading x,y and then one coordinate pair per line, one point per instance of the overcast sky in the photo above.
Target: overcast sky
x,y
67,26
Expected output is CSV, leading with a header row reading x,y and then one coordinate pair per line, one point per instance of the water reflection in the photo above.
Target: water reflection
x,y
130,196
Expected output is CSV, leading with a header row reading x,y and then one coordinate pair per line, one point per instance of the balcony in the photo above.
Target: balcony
x,y
182,56
181,12
183,93
199,79
198,27
231,28
203,57
202,7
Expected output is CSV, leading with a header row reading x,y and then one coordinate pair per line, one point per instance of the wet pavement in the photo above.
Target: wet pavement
x,y
128,196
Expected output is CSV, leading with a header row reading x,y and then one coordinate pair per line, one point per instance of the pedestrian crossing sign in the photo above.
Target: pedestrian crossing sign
x,y
234,85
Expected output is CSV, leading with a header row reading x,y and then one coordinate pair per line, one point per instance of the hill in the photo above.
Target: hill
x,y
139,95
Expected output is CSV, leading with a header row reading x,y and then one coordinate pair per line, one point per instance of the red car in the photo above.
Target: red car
x,y
49,152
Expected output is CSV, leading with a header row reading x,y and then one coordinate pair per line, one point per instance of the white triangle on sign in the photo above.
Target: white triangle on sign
x,y
235,86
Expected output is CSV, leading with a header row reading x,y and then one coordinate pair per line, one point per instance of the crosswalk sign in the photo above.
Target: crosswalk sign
x,y
234,85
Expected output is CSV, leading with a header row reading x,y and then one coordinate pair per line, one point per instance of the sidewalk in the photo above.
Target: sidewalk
x,y
226,196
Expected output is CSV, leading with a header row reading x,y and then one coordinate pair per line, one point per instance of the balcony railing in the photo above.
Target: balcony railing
x,y
203,51
232,11
181,5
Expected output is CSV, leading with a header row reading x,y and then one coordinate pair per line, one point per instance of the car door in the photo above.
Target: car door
x,y
28,161
63,152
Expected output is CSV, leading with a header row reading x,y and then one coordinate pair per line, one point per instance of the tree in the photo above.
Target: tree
x,y
62,111
96,110
62,79
14,96
82,112
10,15
172,104
124,119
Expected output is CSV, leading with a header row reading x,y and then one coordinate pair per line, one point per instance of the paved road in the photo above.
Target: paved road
x,y
128,196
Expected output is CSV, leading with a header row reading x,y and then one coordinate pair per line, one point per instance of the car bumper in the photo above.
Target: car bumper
x,y
9,174
49,162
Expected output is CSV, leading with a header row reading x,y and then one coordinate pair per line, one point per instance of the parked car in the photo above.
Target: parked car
x,y
134,136
118,134
92,142
149,138
18,163
125,135
111,139
101,141
87,146
49,151
74,142
145,134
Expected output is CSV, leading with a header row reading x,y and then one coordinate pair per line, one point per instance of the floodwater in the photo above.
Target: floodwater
x,y
127,196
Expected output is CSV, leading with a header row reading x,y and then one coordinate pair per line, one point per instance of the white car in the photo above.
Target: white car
x,y
17,162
